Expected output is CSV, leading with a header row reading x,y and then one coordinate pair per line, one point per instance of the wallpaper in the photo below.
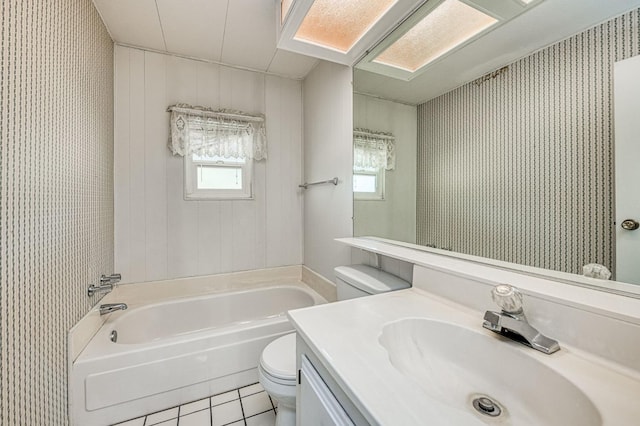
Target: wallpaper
x,y
518,166
56,194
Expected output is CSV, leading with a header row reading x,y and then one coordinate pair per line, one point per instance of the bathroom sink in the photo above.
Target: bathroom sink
x,y
456,366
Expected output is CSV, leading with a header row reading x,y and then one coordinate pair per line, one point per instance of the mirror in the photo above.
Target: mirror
x,y
505,160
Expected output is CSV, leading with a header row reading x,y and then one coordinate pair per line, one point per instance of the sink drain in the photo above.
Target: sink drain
x,y
485,405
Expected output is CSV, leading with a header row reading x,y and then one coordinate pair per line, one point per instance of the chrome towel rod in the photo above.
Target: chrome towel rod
x,y
333,181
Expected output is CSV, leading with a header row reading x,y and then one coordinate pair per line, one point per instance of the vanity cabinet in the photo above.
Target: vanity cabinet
x,y
373,358
319,399
319,405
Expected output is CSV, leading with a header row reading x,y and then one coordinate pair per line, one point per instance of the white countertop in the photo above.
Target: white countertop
x,y
344,336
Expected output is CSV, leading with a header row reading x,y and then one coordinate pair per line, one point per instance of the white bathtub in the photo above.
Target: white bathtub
x,y
172,352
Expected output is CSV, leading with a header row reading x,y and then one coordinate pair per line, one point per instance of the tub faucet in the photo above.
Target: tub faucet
x,y
512,323
107,308
107,282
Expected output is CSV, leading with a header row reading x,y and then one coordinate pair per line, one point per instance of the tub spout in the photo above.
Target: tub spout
x,y
107,308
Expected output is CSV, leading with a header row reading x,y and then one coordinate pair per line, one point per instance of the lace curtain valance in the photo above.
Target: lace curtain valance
x,y
223,133
373,150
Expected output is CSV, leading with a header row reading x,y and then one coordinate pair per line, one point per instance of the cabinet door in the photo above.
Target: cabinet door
x,y
318,406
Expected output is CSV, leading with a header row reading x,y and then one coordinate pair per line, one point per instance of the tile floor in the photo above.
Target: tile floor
x,y
247,406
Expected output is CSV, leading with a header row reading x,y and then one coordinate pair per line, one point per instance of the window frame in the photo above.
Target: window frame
x,y
379,194
193,193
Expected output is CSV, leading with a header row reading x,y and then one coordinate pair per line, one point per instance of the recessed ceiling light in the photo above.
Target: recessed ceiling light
x,y
447,26
339,24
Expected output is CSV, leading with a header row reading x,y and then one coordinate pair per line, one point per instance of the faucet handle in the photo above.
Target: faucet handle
x,y
508,298
110,279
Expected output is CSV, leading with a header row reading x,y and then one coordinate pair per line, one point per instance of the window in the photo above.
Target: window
x,y
214,177
219,148
373,154
368,184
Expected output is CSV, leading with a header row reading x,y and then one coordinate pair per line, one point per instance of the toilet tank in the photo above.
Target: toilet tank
x,y
364,280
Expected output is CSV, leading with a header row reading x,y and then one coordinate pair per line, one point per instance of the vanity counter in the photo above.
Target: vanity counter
x,y
346,339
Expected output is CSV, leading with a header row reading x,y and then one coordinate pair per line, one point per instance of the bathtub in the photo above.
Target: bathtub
x,y
151,357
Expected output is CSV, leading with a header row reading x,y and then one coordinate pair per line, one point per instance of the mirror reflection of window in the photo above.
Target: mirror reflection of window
x,y
373,154
368,183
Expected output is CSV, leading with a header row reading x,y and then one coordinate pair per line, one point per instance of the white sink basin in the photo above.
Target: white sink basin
x,y
455,365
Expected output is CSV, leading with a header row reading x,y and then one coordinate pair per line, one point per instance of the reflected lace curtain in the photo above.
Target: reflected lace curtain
x,y
373,150
222,133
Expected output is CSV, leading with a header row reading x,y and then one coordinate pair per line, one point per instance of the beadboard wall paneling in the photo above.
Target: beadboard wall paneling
x,y
159,235
395,216
520,167
56,194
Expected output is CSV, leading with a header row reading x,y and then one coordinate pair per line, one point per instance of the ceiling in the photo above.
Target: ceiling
x,y
239,33
242,33
543,25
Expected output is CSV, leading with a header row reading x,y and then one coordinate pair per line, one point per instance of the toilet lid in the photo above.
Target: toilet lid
x,y
369,279
279,357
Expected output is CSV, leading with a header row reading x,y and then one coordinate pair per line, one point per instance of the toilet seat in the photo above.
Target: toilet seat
x,y
278,360
277,380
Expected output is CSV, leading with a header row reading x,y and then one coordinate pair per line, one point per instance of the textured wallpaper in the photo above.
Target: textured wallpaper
x,y
520,167
56,194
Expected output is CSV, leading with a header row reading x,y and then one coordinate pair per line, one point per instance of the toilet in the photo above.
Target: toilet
x,y
277,368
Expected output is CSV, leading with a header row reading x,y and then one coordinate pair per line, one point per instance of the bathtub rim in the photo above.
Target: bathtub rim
x,y
117,319
83,331
100,345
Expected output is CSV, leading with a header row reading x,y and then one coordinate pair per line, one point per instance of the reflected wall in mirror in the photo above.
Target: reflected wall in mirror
x,y
393,215
516,165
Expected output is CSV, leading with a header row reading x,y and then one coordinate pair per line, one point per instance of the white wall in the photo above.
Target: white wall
x,y
395,216
328,127
159,235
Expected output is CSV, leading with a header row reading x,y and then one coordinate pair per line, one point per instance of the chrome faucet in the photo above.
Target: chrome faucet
x,y
107,308
107,282
511,321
